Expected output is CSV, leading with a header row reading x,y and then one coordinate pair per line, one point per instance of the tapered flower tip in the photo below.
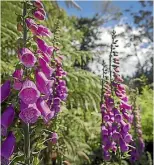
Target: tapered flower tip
x,y
7,148
125,126
125,105
106,118
50,50
17,85
54,137
46,58
18,74
5,90
29,92
43,31
32,25
41,45
40,14
38,3
7,118
106,155
141,145
26,57
47,70
50,116
123,145
29,113
56,101
43,107
128,138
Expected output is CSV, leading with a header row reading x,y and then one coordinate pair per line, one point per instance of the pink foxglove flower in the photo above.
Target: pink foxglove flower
x,y
38,4
39,14
26,57
7,119
18,74
29,113
43,31
54,138
29,92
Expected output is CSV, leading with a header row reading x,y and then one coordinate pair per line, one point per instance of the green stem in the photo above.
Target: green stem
x,y
26,126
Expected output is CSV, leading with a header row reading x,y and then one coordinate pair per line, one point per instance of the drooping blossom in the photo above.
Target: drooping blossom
x,y
5,90
7,118
29,113
43,84
39,14
7,148
31,24
38,4
54,138
18,74
26,57
29,92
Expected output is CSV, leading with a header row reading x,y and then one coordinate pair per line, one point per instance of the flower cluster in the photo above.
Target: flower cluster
x,y
116,112
138,143
38,81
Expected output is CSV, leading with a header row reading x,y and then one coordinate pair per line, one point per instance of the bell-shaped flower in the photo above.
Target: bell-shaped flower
x,y
104,130
118,118
123,145
7,118
7,148
54,138
5,90
26,57
41,45
29,92
106,155
33,27
17,85
29,113
18,74
43,107
38,4
43,31
50,50
128,138
125,105
43,84
125,126
46,69
39,14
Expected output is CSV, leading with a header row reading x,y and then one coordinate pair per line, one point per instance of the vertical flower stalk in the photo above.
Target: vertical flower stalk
x,y
138,143
116,112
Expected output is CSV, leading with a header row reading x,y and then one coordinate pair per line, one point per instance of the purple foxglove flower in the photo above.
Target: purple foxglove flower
x,y
17,85
125,106
123,145
56,101
46,58
32,25
46,69
128,138
106,156
38,4
124,98
118,118
141,145
54,138
105,139
7,119
43,31
42,45
50,50
108,145
128,117
27,57
43,107
18,74
5,90
50,116
29,113
125,126
116,136
29,92
7,148
43,84
40,14
104,130
56,108
106,118
109,103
